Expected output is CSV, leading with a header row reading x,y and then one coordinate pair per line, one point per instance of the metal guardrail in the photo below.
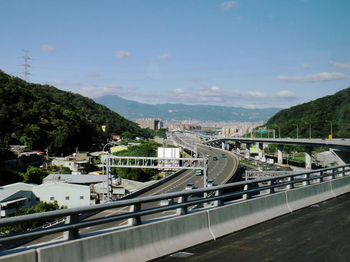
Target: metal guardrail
x,y
240,191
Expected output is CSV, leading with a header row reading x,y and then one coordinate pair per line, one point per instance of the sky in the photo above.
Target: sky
x,y
245,53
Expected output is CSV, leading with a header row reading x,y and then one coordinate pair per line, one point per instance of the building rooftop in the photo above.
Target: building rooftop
x,y
5,193
75,179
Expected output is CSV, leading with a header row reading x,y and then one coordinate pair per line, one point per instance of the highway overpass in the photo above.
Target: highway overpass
x,y
341,145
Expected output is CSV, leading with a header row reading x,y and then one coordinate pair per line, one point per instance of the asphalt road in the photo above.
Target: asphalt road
x,y
314,234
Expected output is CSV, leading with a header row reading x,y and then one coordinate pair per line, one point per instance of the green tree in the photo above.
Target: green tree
x,y
34,175
41,207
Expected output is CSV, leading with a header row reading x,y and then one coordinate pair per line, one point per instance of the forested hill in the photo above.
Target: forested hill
x,y
42,116
319,113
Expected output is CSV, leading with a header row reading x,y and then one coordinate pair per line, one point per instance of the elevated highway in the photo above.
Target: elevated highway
x,y
258,202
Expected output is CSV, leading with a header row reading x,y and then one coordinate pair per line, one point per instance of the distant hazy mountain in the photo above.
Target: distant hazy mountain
x,y
133,110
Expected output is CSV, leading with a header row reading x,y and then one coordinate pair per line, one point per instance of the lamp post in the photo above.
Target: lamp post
x,y
309,128
331,128
297,130
109,178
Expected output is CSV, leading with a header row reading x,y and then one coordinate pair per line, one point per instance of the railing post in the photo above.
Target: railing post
x,y
321,177
247,195
219,202
136,220
333,173
73,233
291,185
272,189
341,174
182,210
306,182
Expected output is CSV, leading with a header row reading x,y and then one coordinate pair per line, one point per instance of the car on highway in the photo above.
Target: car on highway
x,y
210,183
189,186
199,172
215,158
223,155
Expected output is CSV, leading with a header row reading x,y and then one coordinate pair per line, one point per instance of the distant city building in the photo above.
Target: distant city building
x,y
190,127
151,123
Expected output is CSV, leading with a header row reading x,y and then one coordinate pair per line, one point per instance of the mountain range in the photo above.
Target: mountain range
x,y
133,110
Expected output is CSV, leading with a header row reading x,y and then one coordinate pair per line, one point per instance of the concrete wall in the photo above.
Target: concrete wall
x,y
164,237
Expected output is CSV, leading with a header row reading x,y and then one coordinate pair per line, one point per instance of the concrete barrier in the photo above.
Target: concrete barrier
x,y
24,256
236,216
306,196
139,243
340,185
163,237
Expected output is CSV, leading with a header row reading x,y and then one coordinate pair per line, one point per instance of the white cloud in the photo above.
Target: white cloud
x,y
122,54
229,5
341,66
64,83
48,48
320,77
164,57
216,96
97,91
94,75
306,66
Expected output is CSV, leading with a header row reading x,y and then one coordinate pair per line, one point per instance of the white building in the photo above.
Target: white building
x,y
65,194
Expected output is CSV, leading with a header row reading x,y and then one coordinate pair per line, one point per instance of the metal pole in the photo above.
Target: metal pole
x,y
279,132
205,180
310,130
297,130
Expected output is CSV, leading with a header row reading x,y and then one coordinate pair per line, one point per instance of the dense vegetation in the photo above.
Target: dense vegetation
x,y
147,149
41,207
42,116
318,113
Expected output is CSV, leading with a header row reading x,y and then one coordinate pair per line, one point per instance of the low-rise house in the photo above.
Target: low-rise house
x,y
13,199
77,162
65,194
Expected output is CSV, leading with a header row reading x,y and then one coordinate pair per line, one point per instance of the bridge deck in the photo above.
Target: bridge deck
x,y
317,233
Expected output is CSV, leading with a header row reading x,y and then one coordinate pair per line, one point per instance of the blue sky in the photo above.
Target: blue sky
x,y
250,53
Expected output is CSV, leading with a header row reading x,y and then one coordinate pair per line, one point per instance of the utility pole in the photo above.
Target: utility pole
x,y
26,65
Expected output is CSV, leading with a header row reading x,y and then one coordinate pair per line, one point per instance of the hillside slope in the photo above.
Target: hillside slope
x,y
43,116
319,113
133,110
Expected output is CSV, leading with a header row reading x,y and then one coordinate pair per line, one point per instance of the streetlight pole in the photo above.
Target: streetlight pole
x,y
297,130
331,128
109,188
309,129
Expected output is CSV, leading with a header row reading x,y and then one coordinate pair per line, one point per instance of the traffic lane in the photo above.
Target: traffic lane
x,y
317,233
